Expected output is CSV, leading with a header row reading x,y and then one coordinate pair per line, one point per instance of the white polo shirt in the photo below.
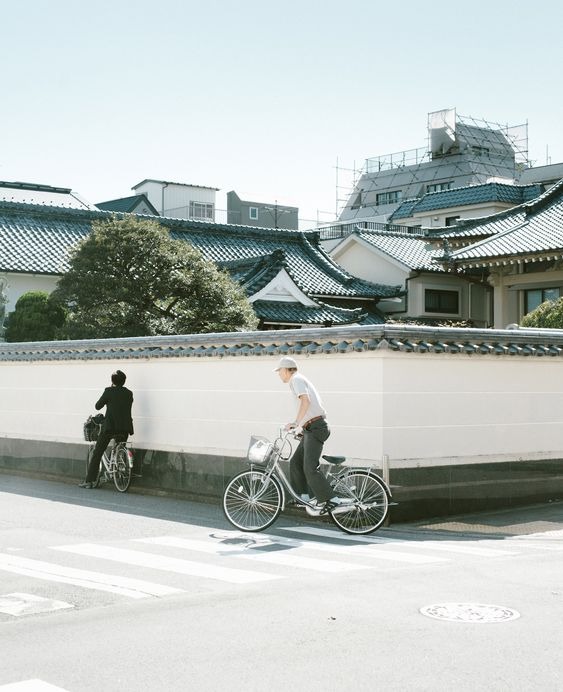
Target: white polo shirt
x,y
301,385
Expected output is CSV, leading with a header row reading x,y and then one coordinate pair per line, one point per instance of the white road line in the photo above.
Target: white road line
x,y
30,686
47,571
167,564
443,546
262,539
287,558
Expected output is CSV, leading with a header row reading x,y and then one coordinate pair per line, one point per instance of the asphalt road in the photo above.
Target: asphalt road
x,y
102,591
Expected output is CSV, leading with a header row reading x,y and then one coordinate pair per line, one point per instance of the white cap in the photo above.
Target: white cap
x,y
286,362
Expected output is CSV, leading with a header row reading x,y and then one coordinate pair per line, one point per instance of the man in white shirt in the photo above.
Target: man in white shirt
x,y
305,474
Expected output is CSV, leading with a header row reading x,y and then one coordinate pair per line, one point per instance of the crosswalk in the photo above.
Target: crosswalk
x,y
201,559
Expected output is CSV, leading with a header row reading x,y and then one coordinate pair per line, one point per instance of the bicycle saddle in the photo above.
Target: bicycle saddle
x,y
334,460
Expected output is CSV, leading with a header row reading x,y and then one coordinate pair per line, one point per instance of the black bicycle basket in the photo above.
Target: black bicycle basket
x,y
92,427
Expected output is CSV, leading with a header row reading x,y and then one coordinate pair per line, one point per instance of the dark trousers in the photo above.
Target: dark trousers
x,y
305,474
102,442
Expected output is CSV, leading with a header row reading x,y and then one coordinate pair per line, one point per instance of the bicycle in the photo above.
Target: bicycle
x,y
117,461
254,498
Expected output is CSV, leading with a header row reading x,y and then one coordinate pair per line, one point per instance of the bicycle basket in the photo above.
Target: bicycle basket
x,y
92,427
259,450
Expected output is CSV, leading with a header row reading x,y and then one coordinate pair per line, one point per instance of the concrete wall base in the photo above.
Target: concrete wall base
x,y
422,493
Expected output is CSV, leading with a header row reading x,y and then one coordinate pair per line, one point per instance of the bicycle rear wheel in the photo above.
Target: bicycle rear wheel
x,y
252,500
371,503
122,470
88,457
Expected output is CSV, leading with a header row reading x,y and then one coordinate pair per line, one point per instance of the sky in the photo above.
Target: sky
x,y
261,97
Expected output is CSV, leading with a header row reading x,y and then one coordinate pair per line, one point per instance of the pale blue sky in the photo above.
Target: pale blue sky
x,y
261,96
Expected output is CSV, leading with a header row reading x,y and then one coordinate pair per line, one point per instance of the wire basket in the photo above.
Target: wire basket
x,y
259,450
92,427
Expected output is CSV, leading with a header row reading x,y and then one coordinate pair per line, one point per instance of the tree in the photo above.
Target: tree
x,y
548,315
130,278
37,317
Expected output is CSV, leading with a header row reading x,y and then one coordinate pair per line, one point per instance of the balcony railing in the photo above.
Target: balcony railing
x,y
341,230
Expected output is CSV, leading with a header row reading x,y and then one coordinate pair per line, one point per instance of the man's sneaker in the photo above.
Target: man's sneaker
x,y
315,510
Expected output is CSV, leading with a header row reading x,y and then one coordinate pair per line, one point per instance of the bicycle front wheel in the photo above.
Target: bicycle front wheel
x,y
122,471
370,503
88,457
252,500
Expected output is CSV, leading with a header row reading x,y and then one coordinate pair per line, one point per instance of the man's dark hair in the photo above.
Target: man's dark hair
x,y
118,378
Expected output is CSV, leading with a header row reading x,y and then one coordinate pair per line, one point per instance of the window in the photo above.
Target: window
x,y
388,197
452,220
439,187
446,302
201,210
253,213
536,296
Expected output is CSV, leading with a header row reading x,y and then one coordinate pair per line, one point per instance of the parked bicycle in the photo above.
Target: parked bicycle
x,y
254,498
117,461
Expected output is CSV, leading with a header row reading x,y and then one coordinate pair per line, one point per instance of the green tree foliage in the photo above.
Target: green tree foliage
x,y
130,278
547,315
37,317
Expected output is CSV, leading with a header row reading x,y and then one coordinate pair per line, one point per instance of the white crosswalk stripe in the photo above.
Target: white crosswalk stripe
x,y
276,558
30,686
167,564
125,586
440,546
217,557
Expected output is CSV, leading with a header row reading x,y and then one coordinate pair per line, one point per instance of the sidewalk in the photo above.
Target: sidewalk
x,y
540,518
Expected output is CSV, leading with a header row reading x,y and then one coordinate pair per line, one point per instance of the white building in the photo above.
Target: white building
x,y
179,200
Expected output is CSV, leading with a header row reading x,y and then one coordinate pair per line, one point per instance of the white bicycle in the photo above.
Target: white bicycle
x,y
254,498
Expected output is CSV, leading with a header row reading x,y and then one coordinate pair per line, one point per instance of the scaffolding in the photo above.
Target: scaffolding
x,y
462,149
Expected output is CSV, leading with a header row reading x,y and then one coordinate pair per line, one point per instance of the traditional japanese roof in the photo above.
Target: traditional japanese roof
x,y
455,342
469,195
529,231
294,313
126,204
35,239
410,248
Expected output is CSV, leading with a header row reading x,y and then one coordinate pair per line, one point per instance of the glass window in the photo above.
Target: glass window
x,y
388,197
201,210
439,187
253,213
446,302
534,297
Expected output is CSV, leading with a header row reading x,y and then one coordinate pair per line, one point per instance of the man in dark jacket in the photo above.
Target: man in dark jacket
x,y
117,424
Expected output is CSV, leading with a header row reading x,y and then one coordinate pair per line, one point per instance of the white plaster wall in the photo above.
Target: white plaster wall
x,y
358,259
18,284
418,409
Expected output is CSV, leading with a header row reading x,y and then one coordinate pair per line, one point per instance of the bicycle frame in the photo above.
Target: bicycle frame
x,y
273,468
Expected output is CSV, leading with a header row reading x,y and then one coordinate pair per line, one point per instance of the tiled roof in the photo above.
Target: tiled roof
x,y
533,228
125,204
468,196
45,195
35,239
413,251
455,342
295,313
404,210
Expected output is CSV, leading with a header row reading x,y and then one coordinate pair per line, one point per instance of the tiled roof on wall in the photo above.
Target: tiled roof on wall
x,y
406,339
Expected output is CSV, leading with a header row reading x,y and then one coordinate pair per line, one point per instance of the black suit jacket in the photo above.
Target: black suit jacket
x,y
118,401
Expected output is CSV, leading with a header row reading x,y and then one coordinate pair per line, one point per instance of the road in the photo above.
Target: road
x,y
102,591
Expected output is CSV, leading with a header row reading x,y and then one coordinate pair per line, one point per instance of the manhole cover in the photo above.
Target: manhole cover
x,y
469,612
